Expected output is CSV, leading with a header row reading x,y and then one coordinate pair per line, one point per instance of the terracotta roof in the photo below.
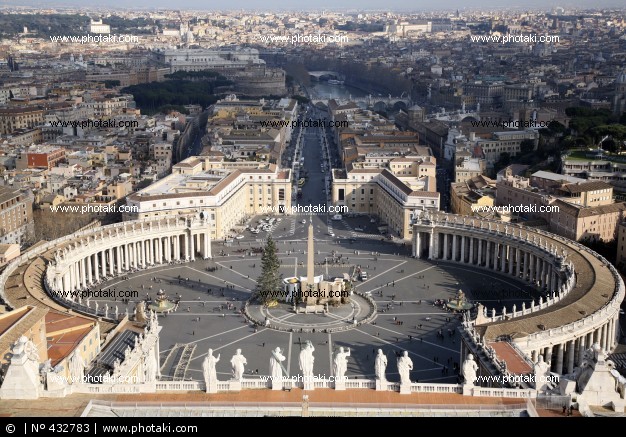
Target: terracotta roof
x,y
515,363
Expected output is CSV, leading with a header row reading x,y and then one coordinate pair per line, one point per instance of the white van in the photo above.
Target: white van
x,y
337,217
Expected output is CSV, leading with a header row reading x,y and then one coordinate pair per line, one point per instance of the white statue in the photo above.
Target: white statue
x,y
341,363
77,368
208,368
405,365
542,372
306,360
380,366
469,370
276,368
238,363
150,372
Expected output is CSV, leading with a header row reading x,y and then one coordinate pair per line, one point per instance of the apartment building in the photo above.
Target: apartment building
x,y
500,142
599,223
16,215
24,117
576,210
467,167
40,156
468,195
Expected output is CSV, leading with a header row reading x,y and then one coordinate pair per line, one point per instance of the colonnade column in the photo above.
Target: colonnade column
x,y
207,245
89,272
111,262
463,238
118,251
454,238
570,356
526,270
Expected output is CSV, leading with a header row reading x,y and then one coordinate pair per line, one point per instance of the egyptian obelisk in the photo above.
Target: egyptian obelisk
x,y
310,259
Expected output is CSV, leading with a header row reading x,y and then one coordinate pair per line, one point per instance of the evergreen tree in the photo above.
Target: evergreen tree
x,y
269,283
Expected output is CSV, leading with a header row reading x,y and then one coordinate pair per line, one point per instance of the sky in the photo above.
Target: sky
x,y
391,5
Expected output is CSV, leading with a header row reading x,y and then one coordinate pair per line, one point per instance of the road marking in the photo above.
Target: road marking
x,y
330,354
210,336
388,270
220,279
228,344
396,280
398,347
427,342
289,354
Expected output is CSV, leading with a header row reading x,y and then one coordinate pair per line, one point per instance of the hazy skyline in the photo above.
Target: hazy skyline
x,y
267,5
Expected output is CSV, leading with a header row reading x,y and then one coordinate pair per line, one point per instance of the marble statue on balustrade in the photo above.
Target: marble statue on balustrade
x,y
238,363
306,359
77,368
542,374
209,371
405,365
469,370
340,364
340,367
380,366
277,369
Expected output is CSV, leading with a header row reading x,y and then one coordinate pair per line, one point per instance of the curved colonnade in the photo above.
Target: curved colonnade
x,y
584,291
62,268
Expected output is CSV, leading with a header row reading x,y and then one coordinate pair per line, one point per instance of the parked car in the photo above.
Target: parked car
x,y
359,229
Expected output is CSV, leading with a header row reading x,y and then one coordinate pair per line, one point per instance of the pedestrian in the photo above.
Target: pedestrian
x,y
263,344
193,332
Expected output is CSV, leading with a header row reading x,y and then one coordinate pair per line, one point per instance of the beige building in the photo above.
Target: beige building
x,y
8,252
468,168
468,196
620,259
390,197
228,192
16,215
501,142
576,222
67,333
14,118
